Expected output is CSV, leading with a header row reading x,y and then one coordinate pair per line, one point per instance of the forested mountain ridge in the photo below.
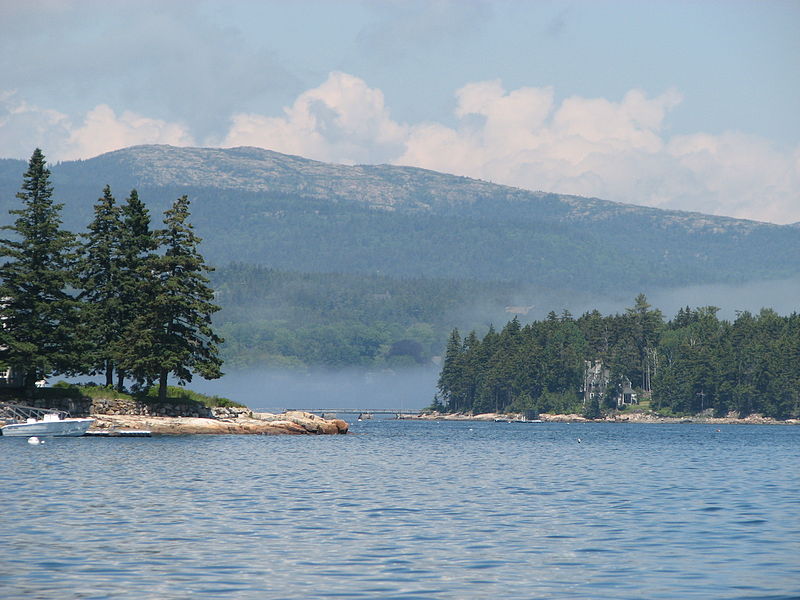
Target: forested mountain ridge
x,y
262,207
389,187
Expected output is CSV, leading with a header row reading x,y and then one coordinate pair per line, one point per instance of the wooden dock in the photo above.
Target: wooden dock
x,y
366,413
118,433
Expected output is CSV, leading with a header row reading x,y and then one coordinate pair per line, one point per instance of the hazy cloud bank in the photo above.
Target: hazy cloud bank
x,y
613,149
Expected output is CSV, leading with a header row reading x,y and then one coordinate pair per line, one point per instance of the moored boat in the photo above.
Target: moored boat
x,y
51,424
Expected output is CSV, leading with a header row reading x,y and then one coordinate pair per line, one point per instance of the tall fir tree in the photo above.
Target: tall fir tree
x,y
173,333
39,314
100,277
137,245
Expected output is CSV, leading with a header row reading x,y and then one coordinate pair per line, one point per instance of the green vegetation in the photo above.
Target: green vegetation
x,y
128,298
89,390
150,396
180,393
691,364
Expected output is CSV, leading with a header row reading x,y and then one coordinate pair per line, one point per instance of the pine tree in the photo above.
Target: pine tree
x,y
173,334
100,278
39,315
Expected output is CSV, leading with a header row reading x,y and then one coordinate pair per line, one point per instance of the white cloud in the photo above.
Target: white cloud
x,y
607,149
617,150
24,127
102,131
342,120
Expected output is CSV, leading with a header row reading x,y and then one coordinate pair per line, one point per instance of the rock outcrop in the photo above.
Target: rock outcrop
x,y
241,422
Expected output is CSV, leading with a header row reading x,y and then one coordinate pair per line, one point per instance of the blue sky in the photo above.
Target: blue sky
x,y
687,105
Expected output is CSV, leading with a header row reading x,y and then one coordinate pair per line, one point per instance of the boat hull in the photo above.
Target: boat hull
x,y
62,427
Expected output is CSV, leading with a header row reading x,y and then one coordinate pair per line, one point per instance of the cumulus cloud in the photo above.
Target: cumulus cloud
x,y
614,149
617,150
102,131
24,127
342,120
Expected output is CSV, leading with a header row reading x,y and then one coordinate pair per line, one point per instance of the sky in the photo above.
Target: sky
x,y
689,105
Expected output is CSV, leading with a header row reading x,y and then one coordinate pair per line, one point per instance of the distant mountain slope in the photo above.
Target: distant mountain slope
x,y
257,206
389,187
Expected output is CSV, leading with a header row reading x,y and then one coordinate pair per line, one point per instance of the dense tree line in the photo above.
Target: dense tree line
x,y
690,364
121,299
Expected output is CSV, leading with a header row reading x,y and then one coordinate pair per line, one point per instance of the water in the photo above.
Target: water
x,y
407,509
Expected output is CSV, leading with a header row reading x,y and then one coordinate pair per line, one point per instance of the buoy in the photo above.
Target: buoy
x,y
35,441
579,440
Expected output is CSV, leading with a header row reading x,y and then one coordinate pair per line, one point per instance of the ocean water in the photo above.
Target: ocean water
x,y
408,509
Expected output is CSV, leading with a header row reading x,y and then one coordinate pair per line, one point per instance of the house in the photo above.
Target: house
x,y
626,394
597,378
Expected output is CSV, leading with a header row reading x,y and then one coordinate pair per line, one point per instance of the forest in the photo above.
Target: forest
x,y
694,363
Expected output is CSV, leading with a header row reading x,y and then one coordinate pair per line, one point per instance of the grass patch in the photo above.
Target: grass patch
x,y
174,393
89,389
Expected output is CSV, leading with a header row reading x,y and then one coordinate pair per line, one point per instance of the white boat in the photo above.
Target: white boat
x,y
51,424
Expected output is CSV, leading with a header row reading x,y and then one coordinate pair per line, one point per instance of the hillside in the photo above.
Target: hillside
x,y
261,207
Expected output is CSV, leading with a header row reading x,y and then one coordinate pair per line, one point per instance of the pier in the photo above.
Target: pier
x,y
96,433
363,413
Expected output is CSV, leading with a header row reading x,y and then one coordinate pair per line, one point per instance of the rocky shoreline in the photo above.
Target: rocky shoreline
x,y
633,417
239,422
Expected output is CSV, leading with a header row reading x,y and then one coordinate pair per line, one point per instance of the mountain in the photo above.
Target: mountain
x,y
322,264
256,206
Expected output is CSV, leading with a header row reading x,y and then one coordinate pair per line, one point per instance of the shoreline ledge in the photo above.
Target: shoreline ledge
x,y
248,423
635,417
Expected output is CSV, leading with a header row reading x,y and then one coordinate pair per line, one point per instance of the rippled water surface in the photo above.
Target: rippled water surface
x,y
404,509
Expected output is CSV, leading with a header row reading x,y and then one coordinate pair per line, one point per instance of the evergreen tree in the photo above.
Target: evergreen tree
x,y
172,334
100,278
137,245
451,375
39,315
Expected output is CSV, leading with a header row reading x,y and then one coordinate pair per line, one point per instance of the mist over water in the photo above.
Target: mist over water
x,y
781,295
273,390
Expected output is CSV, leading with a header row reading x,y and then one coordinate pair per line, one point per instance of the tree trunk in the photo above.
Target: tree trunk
x,y
120,380
162,385
31,377
109,373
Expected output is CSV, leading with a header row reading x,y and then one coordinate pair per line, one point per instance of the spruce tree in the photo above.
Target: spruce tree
x,y
100,278
173,334
39,314
136,248
450,377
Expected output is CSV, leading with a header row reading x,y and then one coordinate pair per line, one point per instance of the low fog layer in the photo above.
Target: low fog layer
x,y
275,390
272,390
